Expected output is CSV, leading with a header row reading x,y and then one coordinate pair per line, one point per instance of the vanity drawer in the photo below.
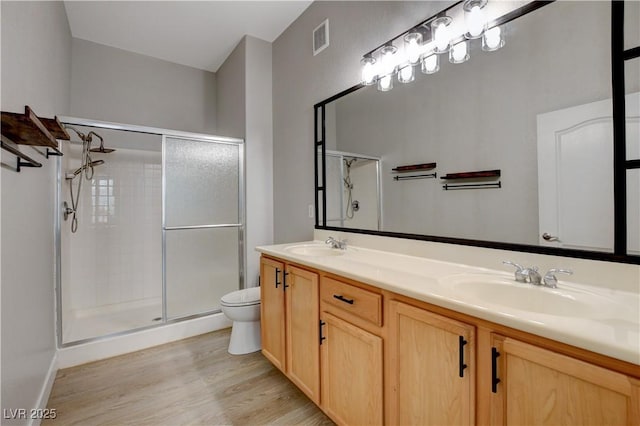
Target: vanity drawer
x,y
357,301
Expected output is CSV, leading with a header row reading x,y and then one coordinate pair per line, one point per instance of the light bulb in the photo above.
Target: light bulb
x,y
406,75
474,17
412,45
441,34
430,64
388,60
385,83
459,53
492,39
368,70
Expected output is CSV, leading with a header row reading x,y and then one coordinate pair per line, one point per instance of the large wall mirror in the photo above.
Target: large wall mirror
x,y
537,114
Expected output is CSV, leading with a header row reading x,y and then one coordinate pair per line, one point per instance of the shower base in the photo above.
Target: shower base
x,y
83,324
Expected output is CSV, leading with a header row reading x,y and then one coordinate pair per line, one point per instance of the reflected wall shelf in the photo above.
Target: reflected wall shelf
x,y
29,129
479,176
414,168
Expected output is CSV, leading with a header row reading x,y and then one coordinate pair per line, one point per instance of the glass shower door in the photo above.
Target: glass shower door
x,y
202,223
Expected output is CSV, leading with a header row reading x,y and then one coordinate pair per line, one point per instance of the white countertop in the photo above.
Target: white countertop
x,y
613,328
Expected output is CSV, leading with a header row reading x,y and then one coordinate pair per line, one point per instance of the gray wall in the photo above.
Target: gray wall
x,y
36,58
244,107
259,137
300,80
116,85
231,101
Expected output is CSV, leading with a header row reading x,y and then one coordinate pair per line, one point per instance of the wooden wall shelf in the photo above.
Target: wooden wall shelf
x,y
29,129
414,168
473,175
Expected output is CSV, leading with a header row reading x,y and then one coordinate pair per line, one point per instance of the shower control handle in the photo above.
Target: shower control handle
x,y
66,211
277,272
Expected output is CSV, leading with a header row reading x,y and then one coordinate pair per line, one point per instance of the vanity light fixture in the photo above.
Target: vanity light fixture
x,y
492,39
368,70
441,35
387,68
459,52
406,74
413,47
474,18
450,31
430,64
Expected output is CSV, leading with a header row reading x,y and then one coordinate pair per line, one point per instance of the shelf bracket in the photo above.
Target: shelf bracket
x,y
9,146
54,152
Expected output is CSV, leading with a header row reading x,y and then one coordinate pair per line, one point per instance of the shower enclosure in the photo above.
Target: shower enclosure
x,y
159,228
353,190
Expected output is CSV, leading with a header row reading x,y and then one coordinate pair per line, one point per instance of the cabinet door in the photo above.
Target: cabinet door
x,y
303,349
272,312
351,373
540,387
431,368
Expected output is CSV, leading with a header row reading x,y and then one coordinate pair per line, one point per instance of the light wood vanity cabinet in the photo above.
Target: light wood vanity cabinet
x,y
352,373
352,358
431,368
272,312
289,323
368,356
540,387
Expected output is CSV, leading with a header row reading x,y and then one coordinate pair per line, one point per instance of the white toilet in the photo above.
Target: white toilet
x,y
243,308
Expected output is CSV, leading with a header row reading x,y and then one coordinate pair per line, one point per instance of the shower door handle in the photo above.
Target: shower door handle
x,y
277,282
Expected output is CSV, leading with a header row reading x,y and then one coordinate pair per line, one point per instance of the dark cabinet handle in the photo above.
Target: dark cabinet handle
x,y
461,343
321,336
494,370
343,299
277,282
284,281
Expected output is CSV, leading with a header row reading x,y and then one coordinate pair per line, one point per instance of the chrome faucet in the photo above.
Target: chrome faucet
x,y
533,276
526,275
336,244
550,279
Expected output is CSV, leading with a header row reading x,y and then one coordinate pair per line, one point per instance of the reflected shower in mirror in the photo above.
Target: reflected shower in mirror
x,y
539,110
353,185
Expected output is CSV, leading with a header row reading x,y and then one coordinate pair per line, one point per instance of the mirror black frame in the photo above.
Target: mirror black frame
x,y
620,164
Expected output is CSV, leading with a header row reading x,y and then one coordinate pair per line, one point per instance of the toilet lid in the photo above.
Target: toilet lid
x,y
247,296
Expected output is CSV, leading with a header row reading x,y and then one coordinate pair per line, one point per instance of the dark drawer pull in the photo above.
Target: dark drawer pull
x,y
277,281
462,365
343,299
494,370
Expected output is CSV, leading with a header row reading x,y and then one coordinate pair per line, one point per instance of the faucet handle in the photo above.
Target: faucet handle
x,y
508,262
550,280
521,275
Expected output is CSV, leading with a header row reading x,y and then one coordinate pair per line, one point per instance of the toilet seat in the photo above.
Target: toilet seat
x,y
245,297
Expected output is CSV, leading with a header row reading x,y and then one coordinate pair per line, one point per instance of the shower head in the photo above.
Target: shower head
x,y
101,149
91,164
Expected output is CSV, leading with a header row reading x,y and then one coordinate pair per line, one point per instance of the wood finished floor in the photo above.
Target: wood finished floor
x,y
189,382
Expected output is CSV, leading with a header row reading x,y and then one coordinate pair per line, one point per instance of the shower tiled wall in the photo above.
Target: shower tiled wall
x,y
115,256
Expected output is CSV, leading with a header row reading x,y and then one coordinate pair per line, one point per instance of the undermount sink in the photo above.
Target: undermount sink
x,y
522,296
314,250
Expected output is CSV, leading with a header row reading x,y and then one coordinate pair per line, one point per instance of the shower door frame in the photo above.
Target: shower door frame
x,y
163,133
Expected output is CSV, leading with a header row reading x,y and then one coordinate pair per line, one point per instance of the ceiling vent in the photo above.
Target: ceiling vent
x,y
321,37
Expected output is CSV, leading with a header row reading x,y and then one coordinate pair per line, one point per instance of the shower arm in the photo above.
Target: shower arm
x,y
92,133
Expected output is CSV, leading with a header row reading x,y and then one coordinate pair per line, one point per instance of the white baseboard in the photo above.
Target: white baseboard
x,y
45,392
119,345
